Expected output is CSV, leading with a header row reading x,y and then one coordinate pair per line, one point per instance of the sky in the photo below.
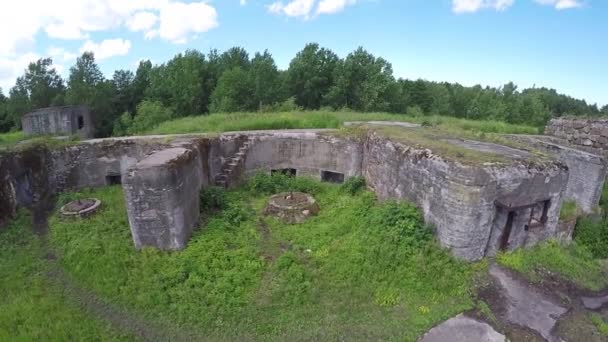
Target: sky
x,y
561,44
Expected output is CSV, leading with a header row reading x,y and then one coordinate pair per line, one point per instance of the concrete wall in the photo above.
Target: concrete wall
x,y
583,132
59,120
587,171
309,153
459,200
162,196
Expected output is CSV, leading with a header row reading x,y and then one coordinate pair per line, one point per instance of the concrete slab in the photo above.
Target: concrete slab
x,y
526,306
382,123
595,303
489,147
463,329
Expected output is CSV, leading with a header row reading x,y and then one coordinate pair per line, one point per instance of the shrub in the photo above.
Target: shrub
x,y
265,184
213,199
594,236
149,115
353,185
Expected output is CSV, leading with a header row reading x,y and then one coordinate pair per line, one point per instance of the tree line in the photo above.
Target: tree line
x,y
194,83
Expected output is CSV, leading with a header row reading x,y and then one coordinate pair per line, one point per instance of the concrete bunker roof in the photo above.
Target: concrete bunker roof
x,y
463,147
45,110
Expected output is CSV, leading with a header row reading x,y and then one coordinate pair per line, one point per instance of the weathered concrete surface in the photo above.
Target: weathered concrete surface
x,y
460,200
162,196
66,120
309,153
526,306
587,171
595,303
382,123
463,329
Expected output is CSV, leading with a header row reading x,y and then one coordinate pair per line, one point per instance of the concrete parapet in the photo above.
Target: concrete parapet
x,y
162,196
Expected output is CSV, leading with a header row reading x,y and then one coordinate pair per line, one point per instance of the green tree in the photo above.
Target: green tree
x,y
235,57
44,86
234,92
149,114
141,82
362,83
87,86
124,90
6,123
265,79
18,102
181,84
311,74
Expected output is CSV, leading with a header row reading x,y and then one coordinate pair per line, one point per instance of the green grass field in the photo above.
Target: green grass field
x,y
359,270
322,119
11,138
32,308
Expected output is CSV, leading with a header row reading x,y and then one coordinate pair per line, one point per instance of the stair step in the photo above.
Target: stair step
x,y
221,177
234,163
221,183
240,154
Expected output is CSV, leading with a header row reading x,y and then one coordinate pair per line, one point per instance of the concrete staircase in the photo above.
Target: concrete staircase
x,y
233,167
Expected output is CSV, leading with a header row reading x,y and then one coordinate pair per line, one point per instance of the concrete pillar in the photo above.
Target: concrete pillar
x,y
162,197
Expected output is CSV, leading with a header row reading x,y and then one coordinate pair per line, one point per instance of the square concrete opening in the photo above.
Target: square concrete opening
x,y
286,172
538,214
113,180
332,177
80,122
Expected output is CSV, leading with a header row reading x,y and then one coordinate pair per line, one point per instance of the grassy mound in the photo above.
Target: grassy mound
x,y
323,119
359,270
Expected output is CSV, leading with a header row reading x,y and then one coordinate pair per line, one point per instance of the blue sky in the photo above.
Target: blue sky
x,y
555,43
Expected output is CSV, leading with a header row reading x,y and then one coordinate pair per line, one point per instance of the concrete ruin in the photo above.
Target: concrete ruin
x,y
504,198
66,120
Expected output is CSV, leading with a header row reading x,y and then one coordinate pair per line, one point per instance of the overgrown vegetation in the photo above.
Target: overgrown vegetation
x,y
359,268
33,309
569,210
600,324
324,119
575,263
594,235
194,83
11,138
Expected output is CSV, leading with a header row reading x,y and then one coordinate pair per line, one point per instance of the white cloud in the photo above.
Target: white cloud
x,y
304,9
11,68
60,54
243,2
21,22
107,48
561,4
333,6
470,6
178,20
142,21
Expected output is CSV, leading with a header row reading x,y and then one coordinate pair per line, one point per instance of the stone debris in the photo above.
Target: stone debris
x,y
526,306
595,303
463,329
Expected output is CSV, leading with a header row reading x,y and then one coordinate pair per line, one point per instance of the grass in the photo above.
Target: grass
x,y
32,309
11,138
359,270
322,119
569,210
574,263
600,324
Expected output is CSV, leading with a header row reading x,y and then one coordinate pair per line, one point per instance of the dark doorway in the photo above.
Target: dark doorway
x,y
332,177
80,122
113,180
506,234
285,172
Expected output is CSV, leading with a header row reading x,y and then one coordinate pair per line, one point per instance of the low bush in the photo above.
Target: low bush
x,y
593,235
262,183
213,198
353,185
568,211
